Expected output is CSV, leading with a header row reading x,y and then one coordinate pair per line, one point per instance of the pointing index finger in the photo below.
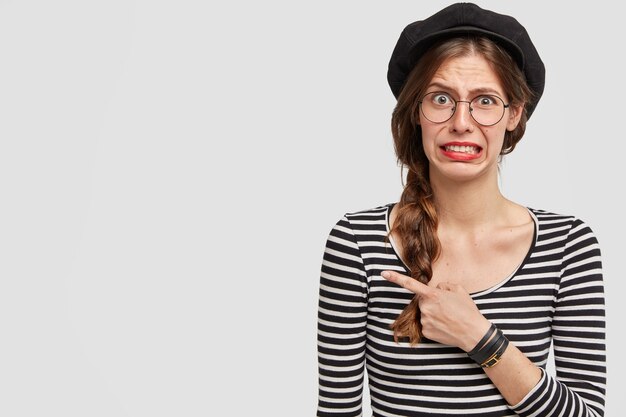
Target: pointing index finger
x,y
407,282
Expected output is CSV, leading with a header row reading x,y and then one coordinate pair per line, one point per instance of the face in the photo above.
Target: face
x,y
460,149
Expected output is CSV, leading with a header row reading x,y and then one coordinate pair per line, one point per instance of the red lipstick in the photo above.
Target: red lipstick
x,y
461,151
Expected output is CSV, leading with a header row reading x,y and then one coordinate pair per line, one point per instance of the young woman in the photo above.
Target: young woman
x,y
453,297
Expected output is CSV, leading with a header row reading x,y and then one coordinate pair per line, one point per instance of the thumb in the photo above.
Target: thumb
x,y
407,282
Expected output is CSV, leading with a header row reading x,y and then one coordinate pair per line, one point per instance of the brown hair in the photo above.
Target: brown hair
x,y
416,220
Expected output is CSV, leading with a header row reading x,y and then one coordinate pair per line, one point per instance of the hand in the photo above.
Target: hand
x,y
448,313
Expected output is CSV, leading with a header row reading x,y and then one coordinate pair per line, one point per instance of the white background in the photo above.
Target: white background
x,y
170,170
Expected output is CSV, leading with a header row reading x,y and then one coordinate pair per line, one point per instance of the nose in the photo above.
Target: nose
x,y
462,120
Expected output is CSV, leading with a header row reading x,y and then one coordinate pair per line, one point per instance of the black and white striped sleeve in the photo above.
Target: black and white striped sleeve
x,y
342,320
578,331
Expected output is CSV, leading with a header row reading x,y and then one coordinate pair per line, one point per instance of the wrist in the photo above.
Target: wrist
x,y
475,335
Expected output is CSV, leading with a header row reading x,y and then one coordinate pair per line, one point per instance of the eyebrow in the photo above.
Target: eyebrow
x,y
475,91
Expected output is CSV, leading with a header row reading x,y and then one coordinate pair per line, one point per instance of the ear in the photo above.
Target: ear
x,y
515,114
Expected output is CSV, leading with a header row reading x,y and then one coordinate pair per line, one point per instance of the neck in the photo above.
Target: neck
x,y
470,204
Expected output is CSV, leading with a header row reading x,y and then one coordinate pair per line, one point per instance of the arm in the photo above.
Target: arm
x,y
342,320
578,336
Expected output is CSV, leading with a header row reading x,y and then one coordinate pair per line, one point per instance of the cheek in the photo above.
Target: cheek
x,y
429,147
495,139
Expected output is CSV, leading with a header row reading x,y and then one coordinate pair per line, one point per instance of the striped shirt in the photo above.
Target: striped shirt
x,y
555,299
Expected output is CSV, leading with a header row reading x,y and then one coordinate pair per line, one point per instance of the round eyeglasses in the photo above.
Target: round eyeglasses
x,y
486,109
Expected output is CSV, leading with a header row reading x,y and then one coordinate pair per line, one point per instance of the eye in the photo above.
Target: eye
x,y
441,99
485,101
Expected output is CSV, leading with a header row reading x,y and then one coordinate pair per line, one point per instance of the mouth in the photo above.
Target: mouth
x,y
465,149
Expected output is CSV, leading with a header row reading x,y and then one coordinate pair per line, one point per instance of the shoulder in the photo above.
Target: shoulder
x,y
364,220
556,226
369,213
547,218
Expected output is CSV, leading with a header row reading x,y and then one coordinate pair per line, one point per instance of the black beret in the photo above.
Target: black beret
x,y
464,19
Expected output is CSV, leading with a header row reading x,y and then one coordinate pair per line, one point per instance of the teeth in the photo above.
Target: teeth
x,y
463,149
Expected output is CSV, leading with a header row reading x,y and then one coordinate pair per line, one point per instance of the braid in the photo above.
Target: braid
x,y
416,224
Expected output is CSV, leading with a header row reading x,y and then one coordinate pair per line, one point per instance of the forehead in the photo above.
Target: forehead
x,y
466,74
